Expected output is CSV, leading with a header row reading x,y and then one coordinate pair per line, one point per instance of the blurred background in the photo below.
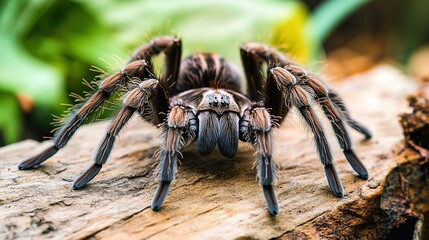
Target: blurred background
x,y
48,47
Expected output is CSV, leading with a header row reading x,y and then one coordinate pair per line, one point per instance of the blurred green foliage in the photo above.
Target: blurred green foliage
x,y
412,28
47,46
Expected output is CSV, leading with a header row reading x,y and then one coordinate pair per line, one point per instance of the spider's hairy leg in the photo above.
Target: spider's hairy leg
x,y
253,55
172,47
181,128
323,149
299,97
332,113
256,126
133,100
339,104
108,86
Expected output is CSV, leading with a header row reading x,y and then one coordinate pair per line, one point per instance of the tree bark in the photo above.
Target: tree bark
x,y
218,198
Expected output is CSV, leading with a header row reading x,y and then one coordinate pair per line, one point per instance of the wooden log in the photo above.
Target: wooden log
x,y
218,198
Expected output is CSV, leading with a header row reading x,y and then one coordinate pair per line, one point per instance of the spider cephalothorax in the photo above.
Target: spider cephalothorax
x,y
202,96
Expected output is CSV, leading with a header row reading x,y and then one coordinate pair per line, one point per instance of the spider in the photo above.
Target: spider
x,y
200,99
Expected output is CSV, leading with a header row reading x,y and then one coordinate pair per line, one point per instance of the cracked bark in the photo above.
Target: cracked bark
x,y
218,198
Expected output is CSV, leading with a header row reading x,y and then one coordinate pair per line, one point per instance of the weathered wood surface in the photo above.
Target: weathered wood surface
x,y
212,197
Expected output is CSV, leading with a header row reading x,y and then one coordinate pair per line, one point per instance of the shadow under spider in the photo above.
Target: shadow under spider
x,y
217,165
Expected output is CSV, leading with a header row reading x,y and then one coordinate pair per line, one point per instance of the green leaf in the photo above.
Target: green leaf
x,y
290,36
22,73
204,25
48,45
11,118
326,18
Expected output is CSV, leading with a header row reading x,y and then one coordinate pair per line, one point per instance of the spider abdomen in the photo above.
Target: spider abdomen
x,y
202,70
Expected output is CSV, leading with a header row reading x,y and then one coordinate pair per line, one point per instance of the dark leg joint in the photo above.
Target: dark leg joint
x,y
304,107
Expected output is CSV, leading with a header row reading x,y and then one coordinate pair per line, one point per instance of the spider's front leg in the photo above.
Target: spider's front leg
x,y
147,92
180,129
288,84
107,87
139,67
255,127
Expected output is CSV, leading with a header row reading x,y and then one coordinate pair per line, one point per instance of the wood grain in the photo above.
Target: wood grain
x,y
213,197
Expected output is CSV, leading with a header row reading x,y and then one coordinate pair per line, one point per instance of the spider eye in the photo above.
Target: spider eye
x,y
213,101
224,100
217,100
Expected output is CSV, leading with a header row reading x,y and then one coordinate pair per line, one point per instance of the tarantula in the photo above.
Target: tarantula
x,y
200,99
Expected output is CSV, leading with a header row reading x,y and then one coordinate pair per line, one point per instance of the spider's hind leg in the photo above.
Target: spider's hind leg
x,y
337,123
339,104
